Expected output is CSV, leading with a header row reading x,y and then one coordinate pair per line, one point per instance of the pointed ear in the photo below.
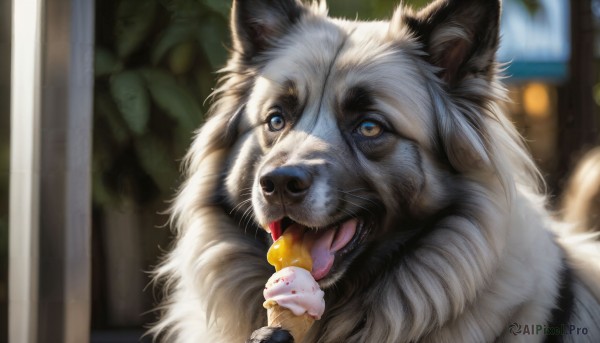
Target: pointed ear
x,y
257,24
460,36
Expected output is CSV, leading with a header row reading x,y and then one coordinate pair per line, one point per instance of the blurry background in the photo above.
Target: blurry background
x,y
154,66
5,30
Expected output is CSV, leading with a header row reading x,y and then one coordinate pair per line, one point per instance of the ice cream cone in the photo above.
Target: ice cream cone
x,y
298,326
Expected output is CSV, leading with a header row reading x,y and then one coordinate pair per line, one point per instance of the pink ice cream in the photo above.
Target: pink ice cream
x,y
295,289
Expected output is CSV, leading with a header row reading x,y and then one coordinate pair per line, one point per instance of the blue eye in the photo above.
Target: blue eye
x,y
370,129
276,121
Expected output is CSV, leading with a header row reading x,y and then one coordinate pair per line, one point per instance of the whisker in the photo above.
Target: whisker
x,y
343,210
359,206
246,217
353,190
239,206
349,193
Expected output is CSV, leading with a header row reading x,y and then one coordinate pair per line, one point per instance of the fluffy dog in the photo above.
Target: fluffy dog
x,y
391,128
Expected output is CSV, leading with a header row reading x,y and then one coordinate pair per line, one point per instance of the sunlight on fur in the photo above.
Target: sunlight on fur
x,y
455,241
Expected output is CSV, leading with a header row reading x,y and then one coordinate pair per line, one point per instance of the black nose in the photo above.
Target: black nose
x,y
289,184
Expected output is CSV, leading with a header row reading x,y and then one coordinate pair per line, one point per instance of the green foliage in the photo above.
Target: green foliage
x,y
153,66
106,63
211,35
132,99
374,9
383,9
134,21
175,100
172,36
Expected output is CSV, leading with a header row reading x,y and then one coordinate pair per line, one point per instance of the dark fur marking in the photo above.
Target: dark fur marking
x,y
561,314
357,99
252,29
389,251
377,149
359,327
419,159
231,131
289,99
333,60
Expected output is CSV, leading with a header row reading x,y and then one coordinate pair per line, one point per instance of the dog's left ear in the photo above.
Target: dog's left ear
x,y
257,24
460,36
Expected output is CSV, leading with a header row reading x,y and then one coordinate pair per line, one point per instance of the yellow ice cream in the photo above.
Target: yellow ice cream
x,y
290,250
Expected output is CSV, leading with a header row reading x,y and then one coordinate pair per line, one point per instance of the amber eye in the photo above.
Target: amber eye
x,y
276,121
369,128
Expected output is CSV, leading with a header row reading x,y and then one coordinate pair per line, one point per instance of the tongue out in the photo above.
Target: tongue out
x,y
323,244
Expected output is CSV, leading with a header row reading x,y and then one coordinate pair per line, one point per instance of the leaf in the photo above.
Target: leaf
x,y
131,97
170,5
105,62
173,35
181,58
157,162
133,23
182,8
105,107
211,37
221,7
175,100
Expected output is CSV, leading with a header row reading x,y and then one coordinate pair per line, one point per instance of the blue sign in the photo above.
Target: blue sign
x,y
537,45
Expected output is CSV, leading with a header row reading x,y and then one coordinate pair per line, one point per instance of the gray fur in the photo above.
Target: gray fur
x,y
459,245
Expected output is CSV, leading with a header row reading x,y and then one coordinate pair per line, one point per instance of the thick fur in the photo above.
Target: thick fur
x,y
458,245
581,200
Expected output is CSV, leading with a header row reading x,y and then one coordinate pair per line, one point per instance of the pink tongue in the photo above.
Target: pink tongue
x,y
326,244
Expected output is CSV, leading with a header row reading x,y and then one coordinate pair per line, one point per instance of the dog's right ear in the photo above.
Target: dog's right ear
x,y
460,37
257,24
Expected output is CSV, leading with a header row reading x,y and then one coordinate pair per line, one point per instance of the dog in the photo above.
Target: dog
x,y
394,128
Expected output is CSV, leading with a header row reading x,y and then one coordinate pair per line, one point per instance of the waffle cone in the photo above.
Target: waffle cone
x,y
298,326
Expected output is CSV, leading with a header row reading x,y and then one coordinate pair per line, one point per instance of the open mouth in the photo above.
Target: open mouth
x,y
326,244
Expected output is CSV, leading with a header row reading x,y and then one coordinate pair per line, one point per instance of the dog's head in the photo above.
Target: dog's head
x,y
355,133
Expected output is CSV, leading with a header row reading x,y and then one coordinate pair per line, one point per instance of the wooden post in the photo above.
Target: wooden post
x,y
578,120
50,192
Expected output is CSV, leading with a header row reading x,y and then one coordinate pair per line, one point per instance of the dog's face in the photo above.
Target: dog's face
x,y
339,134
